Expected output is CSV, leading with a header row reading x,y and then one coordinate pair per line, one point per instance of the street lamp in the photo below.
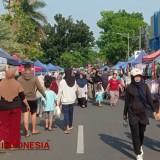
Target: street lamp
x,y
125,35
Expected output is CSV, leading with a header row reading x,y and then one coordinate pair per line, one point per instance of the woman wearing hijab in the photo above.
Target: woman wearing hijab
x,y
82,90
67,95
136,100
11,97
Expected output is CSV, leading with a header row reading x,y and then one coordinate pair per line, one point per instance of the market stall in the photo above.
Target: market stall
x,y
151,57
10,60
41,65
52,67
138,60
119,65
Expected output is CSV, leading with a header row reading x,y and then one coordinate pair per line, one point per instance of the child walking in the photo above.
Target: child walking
x,y
49,105
99,95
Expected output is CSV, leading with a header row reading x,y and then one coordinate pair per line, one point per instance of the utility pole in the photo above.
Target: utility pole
x,y
140,47
128,46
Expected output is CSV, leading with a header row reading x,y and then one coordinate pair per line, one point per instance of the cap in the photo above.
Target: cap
x,y
135,72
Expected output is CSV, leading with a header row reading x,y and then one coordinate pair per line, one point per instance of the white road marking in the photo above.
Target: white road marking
x,y
80,141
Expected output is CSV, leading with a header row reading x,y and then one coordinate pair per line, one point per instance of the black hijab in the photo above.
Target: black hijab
x,y
69,78
138,85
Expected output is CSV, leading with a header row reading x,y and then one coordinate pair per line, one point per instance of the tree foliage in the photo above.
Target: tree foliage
x,y
113,41
66,37
8,40
26,26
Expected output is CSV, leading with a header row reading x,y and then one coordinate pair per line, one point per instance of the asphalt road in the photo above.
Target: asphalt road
x,y
102,137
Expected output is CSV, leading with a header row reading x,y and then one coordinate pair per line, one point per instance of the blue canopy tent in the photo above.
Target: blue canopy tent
x,y
22,62
118,65
59,68
41,65
129,61
102,68
138,59
52,67
10,60
28,61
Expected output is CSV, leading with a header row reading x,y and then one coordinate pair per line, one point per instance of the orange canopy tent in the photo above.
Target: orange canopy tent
x,y
151,57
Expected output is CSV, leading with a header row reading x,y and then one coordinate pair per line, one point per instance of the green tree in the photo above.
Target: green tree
x,y
8,40
115,46
5,32
74,59
66,37
29,7
26,24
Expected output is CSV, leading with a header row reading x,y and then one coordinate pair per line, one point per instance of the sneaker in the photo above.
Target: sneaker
x,y
139,157
142,153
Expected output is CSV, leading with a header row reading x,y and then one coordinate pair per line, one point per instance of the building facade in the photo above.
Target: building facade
x,y
154,43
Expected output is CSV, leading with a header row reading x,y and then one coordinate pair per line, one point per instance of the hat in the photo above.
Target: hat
x,y
115,72
135,72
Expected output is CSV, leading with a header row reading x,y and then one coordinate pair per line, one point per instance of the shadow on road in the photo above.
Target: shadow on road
x,y
59,123
118,144
106,103
158,125
56,123
149,142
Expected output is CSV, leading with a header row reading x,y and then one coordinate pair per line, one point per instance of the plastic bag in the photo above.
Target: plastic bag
x,y
57,111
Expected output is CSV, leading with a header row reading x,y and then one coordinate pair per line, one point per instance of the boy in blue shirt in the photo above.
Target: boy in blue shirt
x,y
49,105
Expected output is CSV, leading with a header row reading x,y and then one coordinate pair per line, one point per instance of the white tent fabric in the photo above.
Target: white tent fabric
x,y
3,61
3,64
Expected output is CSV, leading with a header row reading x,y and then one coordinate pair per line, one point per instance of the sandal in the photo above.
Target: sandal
x,y
67,131
70,128
50,129
46,128
27,134
38,132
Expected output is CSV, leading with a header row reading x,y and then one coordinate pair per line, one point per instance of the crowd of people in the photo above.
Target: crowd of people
x,y
36,95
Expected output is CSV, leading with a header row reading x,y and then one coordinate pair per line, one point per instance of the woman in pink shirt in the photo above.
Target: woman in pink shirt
x,y
114,85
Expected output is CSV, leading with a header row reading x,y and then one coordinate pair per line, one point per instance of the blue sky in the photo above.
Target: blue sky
x,y
89,10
